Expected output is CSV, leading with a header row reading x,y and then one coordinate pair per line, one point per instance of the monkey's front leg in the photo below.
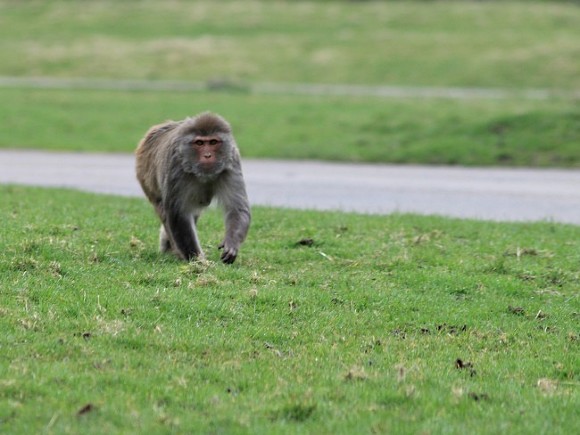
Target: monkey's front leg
x,y
181,230
237,224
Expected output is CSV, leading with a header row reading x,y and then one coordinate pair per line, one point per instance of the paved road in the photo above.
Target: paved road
x,y
493,194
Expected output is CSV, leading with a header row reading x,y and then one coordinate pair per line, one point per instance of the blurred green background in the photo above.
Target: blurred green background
x,y
230,47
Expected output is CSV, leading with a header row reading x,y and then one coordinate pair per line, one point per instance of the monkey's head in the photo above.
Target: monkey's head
x,y
205,144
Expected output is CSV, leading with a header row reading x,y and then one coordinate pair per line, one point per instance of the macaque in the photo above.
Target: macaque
x,y
181,167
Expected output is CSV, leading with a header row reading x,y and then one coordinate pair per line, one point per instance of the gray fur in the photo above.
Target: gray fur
x,y
180,187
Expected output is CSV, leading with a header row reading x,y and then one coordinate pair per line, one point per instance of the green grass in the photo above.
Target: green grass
x,y
483,132
359,332
522,44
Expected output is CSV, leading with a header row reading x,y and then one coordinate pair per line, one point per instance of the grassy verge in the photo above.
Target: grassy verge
x,y
376,324
458,43
479,132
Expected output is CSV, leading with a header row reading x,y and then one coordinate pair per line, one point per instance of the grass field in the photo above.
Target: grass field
x,y
509,45
480,132
378,324
327,322
525,44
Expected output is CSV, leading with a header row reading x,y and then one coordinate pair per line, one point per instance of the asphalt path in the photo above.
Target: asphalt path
x,y
479,193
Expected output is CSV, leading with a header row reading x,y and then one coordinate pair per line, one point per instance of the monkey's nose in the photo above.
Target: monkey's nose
x,y
207,156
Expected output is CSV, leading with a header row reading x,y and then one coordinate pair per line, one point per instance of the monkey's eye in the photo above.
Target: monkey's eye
x,y
198,142
214,142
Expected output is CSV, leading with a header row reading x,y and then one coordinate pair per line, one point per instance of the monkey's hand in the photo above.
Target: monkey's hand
x,y
229,253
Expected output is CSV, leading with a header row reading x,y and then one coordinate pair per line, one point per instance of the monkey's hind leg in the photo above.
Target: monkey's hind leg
x,y
164,242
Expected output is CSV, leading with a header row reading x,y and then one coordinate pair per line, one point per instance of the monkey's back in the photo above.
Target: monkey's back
x,y
152,158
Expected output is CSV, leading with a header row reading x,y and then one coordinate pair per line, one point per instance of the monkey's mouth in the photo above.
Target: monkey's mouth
x,y
210,168
207,164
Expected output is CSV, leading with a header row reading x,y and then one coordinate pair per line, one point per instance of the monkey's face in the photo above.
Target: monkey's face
x,y
206,150
203,155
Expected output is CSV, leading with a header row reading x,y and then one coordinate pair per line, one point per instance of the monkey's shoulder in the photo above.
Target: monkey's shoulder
x,y
160,130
